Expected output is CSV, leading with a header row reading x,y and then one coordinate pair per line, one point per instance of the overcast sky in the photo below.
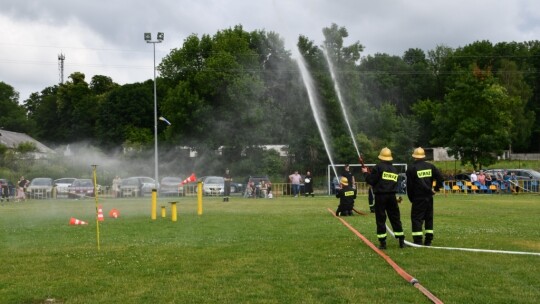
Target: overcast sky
x,y
106,37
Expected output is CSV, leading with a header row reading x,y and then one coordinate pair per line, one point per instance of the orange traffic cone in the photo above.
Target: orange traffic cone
x,y
114,213
190,179
100,214
74,221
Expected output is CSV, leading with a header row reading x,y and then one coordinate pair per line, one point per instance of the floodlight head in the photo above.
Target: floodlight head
x,y
165,120
147,36
160,36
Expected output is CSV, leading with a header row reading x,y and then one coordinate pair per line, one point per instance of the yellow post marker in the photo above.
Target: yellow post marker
x,y
173,211
199,198
154,204
163,212
97,208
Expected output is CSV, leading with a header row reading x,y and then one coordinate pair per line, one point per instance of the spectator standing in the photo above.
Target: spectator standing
x,y
420,177
227,191
514,185
269,190
350,177
117,181
295,180
506,181
21,189
346,195
308,184
5,191
383,178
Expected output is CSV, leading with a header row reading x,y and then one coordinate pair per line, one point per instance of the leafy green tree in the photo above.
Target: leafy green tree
x,y
475,121
42,111
12,115
440,68
386,128
424,112
77,109
513,81
124,111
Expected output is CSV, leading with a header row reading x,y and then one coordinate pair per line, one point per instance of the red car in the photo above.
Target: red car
x,y
81,188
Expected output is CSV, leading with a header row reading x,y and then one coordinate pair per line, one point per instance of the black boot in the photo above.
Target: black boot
x,y
382,245
402,243
427,242
417,240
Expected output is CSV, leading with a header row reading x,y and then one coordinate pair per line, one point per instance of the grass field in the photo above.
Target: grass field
x,y
283,250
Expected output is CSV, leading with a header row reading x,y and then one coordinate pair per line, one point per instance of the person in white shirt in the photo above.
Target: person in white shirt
x,y
295,179
474,177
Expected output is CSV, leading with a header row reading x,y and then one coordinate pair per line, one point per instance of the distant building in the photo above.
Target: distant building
x,y
13,139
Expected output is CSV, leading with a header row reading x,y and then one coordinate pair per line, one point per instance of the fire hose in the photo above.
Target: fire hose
x,y
413,281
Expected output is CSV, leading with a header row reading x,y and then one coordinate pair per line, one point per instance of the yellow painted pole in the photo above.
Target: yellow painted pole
x,y
163,212
173,211
199,198
154,204
96,200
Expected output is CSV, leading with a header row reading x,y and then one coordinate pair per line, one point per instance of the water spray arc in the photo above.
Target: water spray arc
x,y
315,107
340,98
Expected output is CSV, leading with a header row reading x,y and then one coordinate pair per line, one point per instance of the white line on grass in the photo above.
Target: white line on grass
x,y
465,249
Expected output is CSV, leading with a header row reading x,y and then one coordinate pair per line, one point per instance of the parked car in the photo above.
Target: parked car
x,y
40,187
525,174
237,187
137,186
213,185
11,188
171,186
81,188
62,185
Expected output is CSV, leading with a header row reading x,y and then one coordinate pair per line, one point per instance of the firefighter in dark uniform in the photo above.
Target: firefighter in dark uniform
x,y
346,195
420,190
383,178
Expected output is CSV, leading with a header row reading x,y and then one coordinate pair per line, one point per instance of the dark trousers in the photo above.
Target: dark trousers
x,y
5,193
227,189
386,204
422,215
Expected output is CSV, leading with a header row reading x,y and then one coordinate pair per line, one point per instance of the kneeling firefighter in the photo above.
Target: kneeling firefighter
x,y
346,195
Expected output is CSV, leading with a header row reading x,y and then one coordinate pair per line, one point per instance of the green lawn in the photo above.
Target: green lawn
x,y
283,250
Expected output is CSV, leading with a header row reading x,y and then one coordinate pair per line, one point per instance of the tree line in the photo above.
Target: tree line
x,y
236,91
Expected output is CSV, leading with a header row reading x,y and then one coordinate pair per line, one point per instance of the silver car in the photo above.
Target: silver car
x,y
137,186
62,186
213,185
171,186
40,187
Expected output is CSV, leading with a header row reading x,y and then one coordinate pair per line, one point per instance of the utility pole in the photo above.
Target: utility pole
x,y
61,59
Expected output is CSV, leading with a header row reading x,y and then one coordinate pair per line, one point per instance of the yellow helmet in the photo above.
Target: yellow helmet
x,y
419,153
344,181
385,154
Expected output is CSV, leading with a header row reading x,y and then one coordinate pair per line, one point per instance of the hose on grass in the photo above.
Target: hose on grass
x,y
396,267
466,249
